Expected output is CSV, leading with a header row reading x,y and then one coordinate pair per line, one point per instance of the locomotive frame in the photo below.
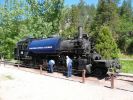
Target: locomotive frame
x,y
80,49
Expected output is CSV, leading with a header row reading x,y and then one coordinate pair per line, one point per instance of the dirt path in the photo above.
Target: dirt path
x,y
20,85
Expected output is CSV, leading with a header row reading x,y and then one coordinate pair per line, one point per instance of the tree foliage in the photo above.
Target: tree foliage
x,y
42,18
106,15
126,27
105,43
23,18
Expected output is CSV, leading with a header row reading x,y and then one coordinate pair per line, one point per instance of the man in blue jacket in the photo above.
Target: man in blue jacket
x,y
69,66
51,64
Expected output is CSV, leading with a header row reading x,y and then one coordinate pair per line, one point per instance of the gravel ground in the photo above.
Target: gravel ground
x,y
21,85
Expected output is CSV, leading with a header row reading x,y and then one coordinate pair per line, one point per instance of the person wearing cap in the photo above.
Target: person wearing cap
x,y
51,64
69,66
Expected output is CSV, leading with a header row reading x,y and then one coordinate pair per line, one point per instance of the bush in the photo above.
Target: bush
x,y
105,44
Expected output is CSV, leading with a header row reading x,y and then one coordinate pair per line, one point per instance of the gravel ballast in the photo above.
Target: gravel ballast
x,y
16,84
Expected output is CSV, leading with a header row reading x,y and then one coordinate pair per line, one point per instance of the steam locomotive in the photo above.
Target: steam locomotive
x,y
80,50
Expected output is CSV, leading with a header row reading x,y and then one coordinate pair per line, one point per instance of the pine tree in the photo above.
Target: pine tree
x,y
126,10
107,14
105,44
91,12
126,26
82,13
72,21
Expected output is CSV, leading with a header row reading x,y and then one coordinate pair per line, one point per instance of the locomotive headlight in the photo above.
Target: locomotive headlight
x,y
21,52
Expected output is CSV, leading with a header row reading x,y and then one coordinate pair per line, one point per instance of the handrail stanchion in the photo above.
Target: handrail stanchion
x,y
112,81
40,69
18,66
4,62
83,75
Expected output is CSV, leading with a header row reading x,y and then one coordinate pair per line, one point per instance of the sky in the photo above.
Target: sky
x,y
95,2
70,2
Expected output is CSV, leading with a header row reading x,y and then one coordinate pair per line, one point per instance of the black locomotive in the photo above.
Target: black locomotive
x,y
80,50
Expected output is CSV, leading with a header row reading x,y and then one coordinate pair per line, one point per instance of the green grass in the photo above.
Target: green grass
x,y
6,77
125,56
127,66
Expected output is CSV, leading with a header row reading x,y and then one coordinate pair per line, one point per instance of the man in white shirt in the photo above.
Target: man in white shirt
x,y
69,66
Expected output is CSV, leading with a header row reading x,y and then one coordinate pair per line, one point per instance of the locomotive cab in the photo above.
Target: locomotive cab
x,y
21,50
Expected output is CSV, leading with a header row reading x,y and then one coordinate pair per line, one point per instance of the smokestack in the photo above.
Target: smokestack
x,y
80,31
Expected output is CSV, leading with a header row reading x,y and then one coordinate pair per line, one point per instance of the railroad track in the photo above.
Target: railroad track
x,y
121,76
17,64
122,81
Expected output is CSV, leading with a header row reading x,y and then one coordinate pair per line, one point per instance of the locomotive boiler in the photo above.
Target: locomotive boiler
x,y
79,49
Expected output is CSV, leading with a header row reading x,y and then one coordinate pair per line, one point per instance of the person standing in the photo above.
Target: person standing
x,y
69,66
51,64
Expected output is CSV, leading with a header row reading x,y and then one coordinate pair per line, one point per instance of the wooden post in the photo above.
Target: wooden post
x,y
18,62
40,69
44,64
83,75
112,81
4,62
18,66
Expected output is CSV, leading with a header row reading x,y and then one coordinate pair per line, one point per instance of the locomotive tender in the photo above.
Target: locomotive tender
x,y
80,50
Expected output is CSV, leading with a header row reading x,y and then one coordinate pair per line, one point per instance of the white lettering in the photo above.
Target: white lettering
x,y
46,47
